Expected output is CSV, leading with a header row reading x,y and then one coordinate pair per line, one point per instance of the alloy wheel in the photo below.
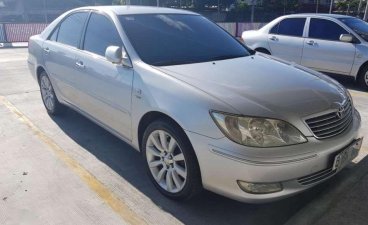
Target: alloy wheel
x,y
166,161
47,93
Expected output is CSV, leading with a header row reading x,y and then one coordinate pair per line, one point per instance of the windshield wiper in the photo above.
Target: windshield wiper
x,y
172,62
223,57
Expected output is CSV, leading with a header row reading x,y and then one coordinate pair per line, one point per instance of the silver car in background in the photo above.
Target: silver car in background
x,y
329,43
204,110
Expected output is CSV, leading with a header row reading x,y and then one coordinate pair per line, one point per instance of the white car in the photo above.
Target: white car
x,y
333,44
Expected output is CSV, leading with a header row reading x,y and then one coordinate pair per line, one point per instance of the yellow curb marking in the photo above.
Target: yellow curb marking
x,y
99,188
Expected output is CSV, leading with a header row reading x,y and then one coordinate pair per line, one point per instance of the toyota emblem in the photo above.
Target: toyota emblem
x,y
340,112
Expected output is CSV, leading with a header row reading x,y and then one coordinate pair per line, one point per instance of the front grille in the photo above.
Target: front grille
x,y
315,177
331,124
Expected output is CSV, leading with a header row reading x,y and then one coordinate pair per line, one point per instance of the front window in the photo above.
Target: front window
x,y
358,26
325,29
100,34
173,39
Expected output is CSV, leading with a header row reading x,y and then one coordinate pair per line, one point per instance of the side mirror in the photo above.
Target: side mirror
x,y
116,55
346,38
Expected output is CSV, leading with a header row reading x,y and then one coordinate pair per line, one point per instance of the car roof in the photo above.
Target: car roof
x,y
321,15
129,10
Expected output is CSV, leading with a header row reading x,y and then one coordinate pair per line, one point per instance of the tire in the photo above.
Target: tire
x,y
49,99
363,78
262,50
175,173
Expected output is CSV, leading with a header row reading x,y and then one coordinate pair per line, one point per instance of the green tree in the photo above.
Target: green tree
x,y
353,5
241,6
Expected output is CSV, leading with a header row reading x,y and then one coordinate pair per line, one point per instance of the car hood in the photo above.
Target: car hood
x,y
261,85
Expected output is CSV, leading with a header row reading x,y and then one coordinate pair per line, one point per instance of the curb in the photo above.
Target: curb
x,y
315,210
14,45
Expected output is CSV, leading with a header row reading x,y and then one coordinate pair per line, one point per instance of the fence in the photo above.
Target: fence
x,y
10,33
22,32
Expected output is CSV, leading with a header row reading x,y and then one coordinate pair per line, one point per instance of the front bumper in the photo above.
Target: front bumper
x,y
223,163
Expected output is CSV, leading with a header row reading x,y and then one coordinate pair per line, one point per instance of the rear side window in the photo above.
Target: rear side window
x,y
100,34
71,28
274,29
54,34
325,29
289,27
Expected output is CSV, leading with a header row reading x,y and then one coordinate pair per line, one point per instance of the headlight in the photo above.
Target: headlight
x,y
257,132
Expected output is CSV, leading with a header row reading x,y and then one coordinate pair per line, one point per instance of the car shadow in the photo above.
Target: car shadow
x,y
347,81
208,208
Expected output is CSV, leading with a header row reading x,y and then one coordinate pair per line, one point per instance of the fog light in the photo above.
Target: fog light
x,y
260,188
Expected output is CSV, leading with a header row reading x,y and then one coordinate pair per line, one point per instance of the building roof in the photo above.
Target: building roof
x,y
128,10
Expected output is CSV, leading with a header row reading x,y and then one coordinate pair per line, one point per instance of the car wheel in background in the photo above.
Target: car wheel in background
x,y
363,78
51,103
170,160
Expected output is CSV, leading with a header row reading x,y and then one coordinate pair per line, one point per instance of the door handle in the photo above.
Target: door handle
x,y
311,42
46,50
273,38
80,64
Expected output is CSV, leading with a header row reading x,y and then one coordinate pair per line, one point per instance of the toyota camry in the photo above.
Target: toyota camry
x,y
204,110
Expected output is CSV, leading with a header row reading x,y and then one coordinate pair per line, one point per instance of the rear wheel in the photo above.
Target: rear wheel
x,y
363,78
51,103
170,160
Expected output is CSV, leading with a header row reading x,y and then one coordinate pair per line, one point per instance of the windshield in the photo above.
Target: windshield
x,y
358,26
173,39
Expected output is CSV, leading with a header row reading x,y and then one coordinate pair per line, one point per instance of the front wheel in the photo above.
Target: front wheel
x,y
170,160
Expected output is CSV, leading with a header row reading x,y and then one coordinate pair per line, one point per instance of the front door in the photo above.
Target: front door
x,y
323,50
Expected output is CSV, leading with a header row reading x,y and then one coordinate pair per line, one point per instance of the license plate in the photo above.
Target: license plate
x,y
344,157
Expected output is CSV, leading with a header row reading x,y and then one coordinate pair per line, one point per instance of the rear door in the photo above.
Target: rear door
x,y
106,87
59,54
286,39
323,49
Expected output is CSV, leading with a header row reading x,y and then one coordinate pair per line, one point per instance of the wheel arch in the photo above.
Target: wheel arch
x,y
39,70
365,64
152,116
148,118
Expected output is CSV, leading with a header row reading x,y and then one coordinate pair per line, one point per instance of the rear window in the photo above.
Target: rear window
x,y
289,27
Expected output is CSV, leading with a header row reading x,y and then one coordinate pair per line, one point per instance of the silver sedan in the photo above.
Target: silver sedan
x,y
204,110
